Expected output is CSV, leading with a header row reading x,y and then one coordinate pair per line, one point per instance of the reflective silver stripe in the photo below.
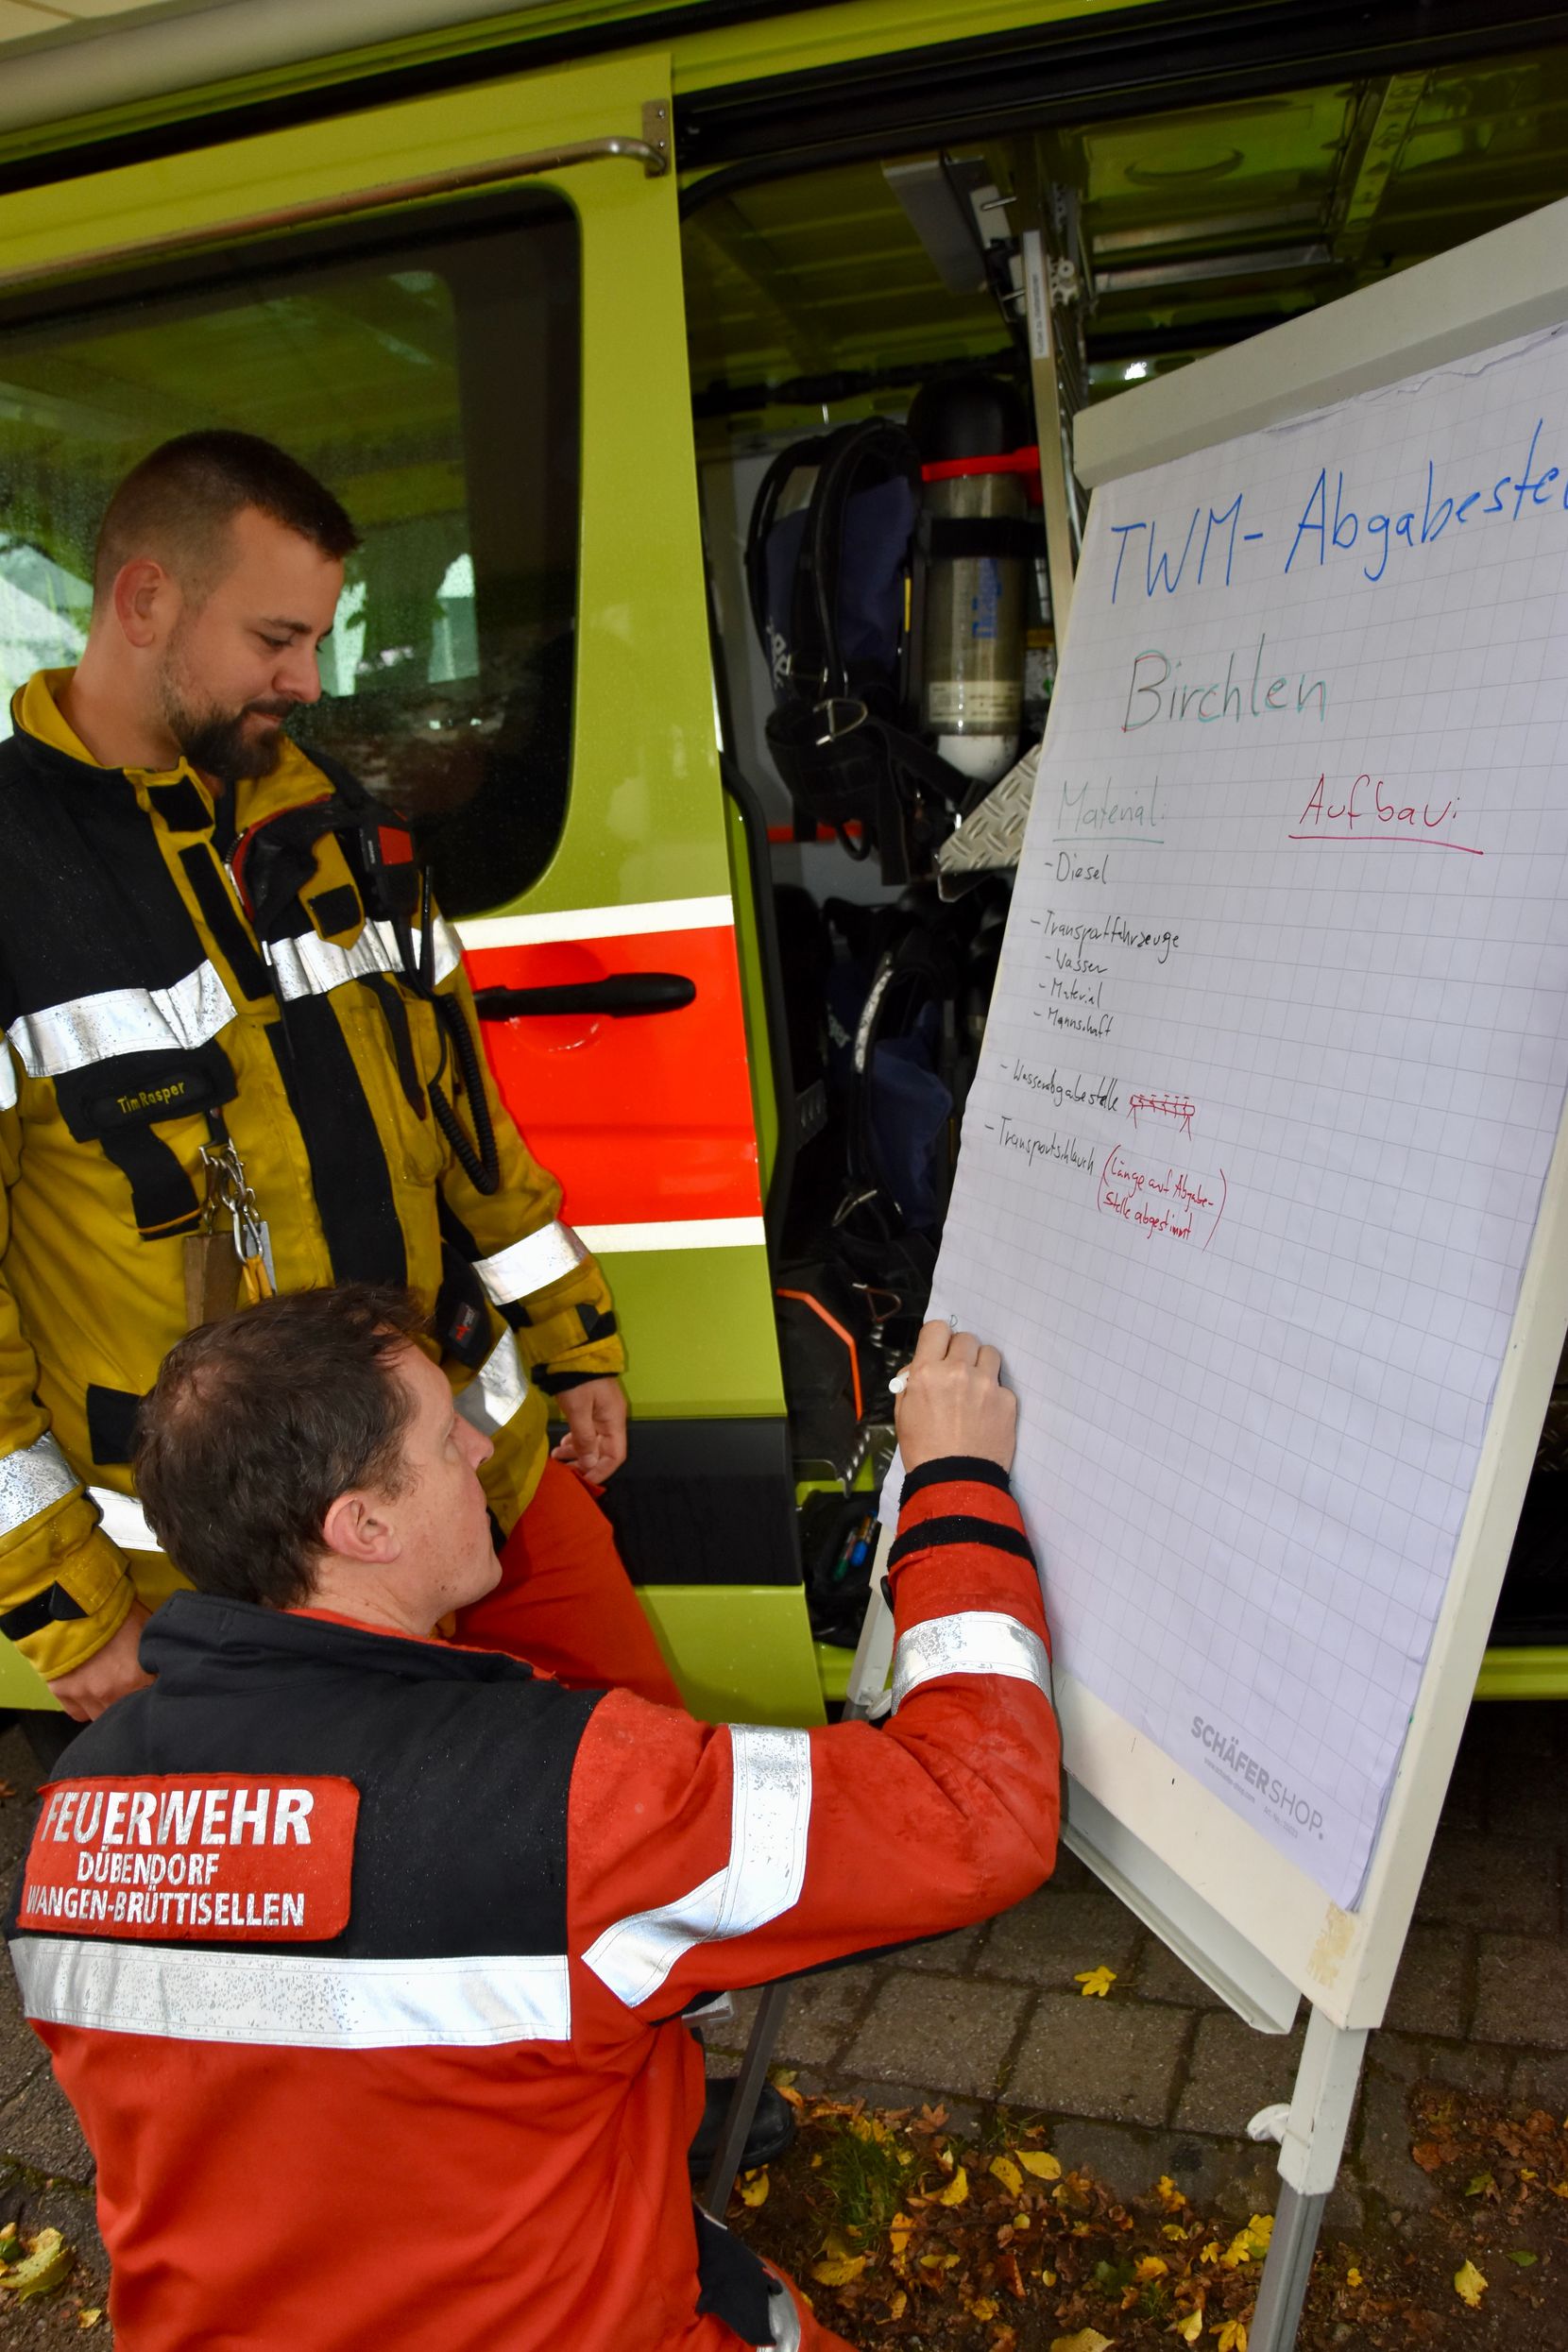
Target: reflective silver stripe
x,y
309,966
293,2000
498,1390
526,1266
770,1814
979,1641
125,1522
31,1480
123,1020
8,1078
785,2314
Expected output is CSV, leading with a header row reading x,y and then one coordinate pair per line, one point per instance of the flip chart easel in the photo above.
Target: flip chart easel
x,y
1252,1916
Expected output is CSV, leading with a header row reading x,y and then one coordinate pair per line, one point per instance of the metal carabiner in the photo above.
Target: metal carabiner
x,y
830,710
229,1189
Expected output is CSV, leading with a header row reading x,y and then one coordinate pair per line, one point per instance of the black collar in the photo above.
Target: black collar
x,y
196,1632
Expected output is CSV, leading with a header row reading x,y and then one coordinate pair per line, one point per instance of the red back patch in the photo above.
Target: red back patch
x,y
198,1857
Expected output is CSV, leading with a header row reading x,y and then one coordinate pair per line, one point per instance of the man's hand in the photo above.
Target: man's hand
x,y
953,1401
595,1440
108,1675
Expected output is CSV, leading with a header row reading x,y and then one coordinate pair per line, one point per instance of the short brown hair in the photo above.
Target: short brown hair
x,y
179,502
256,1425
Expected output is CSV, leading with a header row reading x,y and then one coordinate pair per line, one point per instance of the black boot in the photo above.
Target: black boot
x,y
773,2128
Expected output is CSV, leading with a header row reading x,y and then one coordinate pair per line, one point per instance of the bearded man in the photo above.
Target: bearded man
x,y
230,1029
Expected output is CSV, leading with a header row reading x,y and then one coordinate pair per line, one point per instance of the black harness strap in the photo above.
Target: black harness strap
x,y
350,1174
233,942
163,1197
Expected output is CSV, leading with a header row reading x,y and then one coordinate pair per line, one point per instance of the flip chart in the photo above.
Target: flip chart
x,y
1274,1067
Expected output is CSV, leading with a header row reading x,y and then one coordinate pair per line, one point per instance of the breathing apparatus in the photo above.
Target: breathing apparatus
x,y
978,543
274,860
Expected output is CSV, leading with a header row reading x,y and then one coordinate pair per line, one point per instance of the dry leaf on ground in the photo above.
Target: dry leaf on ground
x,y
1096,1983
47,2262
1470,2285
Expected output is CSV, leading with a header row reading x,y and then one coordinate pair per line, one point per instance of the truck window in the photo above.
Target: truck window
x,y
433,383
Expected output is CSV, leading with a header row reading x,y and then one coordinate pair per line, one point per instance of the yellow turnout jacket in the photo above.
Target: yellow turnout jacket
x,y
143,1013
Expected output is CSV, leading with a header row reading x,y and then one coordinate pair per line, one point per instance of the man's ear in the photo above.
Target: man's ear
x,y
358,1528
146,601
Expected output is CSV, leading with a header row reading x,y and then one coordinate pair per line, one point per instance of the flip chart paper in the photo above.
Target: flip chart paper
x,y
1274,1067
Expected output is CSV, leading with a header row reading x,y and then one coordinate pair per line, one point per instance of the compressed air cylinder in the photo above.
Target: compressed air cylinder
x,y
972,637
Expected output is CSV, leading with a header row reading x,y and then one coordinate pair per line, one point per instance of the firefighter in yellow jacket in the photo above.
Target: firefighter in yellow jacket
x,y
237,1051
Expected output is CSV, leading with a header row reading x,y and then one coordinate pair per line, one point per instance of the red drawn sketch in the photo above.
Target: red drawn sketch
x,y
1176,1109
1152,1198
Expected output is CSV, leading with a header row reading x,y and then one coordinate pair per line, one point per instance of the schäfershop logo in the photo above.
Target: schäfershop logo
x,y
1230,1758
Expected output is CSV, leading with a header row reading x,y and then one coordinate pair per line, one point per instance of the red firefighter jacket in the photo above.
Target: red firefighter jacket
x,y
362,1958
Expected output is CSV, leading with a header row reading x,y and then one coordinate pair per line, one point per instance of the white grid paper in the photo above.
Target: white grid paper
x,y
1246,1449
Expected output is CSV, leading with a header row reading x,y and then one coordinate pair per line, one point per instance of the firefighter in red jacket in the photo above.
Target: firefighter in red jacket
x,y
361,1956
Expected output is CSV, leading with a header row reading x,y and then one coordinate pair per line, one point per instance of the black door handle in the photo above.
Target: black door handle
x,y
618,994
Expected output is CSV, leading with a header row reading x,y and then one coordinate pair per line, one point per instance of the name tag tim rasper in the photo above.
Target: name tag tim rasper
x,y
202,1857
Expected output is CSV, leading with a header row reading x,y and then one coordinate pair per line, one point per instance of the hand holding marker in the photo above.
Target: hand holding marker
x,y
958,1405
900,1380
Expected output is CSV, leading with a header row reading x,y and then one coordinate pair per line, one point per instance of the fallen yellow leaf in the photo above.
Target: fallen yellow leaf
x,y
982,2308
897,2304
1003,2169
1169,2194
1096,1983
899,2231
89,2318
754,2187
957,2189
1086,2339
1233,2336
1468,2285
1150,2266
837,2270
1353,2276
1189,2327
47,2262
1249,2244
1047,2279
1038,2161
1173,2229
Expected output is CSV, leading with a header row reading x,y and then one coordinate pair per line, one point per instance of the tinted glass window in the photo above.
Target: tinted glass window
x,y
434,387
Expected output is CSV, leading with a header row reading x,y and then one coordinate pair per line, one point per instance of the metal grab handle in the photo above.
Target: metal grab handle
x,y
618,994
651,153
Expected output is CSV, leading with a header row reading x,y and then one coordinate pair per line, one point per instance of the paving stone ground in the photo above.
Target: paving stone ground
x,y
1158,2077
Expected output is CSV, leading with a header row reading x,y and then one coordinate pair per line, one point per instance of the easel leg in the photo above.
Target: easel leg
x,y
1297,2222
874,1651
744,2099
867,1683
1309,2163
